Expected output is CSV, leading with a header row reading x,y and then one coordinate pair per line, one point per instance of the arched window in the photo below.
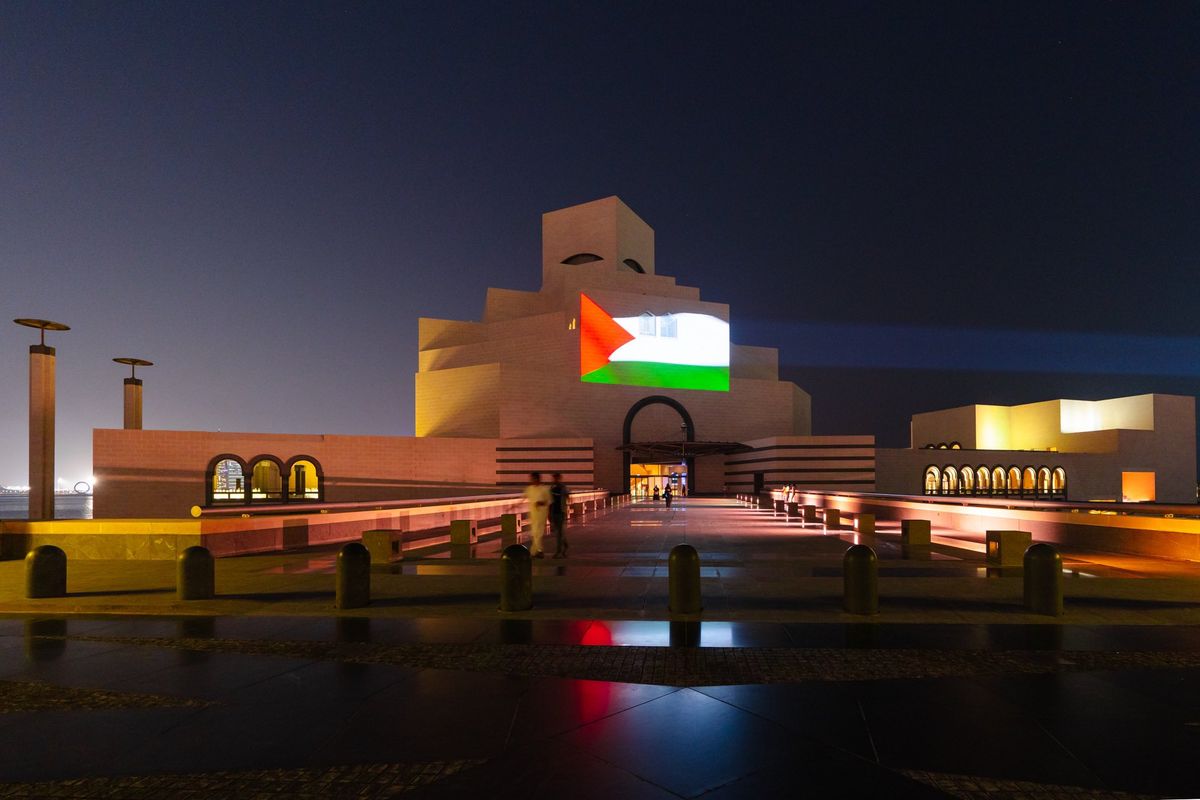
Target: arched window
x,y
582,258
667,328
266,480
998,480
1058,481
646,324
633,265
1028,481
983,480
966,480
304,479
1043,481
955,446
227,480
951,480
933,480
941,446
1014,480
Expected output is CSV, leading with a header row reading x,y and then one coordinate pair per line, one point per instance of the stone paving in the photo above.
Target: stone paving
x,y
277,707
688,666
120,691
356,780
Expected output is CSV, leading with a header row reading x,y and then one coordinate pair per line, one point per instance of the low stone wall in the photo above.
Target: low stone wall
x,y
1116,531
136,539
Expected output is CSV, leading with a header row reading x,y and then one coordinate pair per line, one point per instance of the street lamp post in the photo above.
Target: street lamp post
x,y
41,419
133,392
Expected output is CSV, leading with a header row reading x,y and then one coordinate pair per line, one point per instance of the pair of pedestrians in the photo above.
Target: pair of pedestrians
x,y
547,502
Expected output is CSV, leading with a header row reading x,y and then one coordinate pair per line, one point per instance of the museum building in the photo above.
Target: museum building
x,y
611,373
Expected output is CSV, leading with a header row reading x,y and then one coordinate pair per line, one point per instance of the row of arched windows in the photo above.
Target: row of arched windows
x,y
233,480
1048,482
942,446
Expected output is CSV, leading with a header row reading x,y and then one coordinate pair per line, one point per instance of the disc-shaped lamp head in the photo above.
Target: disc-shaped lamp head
x,y
43,325
134,363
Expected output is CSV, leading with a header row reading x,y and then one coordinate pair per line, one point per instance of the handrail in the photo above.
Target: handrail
x,y
358,505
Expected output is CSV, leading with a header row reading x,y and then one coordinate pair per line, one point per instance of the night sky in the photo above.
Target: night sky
x,y
923,205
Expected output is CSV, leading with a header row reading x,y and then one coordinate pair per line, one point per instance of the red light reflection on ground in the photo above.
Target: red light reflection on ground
x,y
598,633
594,699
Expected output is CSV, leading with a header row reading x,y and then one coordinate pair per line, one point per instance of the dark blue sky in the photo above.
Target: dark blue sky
x,y
922,205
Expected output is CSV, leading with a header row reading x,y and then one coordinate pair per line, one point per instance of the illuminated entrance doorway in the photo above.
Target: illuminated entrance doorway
x,y
645,478
660,449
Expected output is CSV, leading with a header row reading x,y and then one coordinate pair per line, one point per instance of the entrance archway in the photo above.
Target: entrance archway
x,y
689,435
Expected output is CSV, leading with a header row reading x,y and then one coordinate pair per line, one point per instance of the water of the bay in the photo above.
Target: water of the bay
x,y
66,506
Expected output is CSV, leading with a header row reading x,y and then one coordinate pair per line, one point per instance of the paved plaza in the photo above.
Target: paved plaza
x,y
951,691
755,565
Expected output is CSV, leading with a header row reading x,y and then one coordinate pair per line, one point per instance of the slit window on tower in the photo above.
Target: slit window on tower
x,y
582,258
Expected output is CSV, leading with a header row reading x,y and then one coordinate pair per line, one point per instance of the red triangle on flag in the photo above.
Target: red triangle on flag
x,y
599,335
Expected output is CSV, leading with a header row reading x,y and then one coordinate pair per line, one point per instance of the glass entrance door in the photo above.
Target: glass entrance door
x,y
644,479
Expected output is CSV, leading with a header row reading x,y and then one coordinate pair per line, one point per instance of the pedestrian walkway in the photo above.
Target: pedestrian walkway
x,y
755,565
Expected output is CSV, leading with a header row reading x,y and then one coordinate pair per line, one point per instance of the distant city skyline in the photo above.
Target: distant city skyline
x,y
920,208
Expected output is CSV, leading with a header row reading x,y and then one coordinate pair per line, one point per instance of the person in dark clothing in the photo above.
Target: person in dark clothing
x,y
558,514
656,494
667,496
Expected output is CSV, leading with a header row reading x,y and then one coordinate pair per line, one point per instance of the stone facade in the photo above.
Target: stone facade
x,y
515,374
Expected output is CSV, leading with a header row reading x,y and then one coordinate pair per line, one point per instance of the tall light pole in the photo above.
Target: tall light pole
x,y
41,420
133,392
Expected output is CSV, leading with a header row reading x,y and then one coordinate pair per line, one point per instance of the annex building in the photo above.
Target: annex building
x,y
1124,449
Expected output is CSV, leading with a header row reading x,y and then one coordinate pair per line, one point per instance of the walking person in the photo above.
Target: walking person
x,y
559,498
667,496
537,494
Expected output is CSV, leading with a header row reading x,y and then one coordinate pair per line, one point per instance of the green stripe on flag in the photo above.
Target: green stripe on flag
x,y
663,376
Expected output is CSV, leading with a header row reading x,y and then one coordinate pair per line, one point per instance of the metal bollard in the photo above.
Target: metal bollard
x,y
516,579
509,525
195,574
914,532
860,580
353,583
46,572
684,580
380,545
1043,580
462,531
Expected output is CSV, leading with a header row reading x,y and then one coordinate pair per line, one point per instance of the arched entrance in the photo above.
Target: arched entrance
x,y
226,481
644,472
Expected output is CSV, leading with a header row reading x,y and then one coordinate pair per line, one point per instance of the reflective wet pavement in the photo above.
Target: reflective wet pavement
x,y
268,692
170,716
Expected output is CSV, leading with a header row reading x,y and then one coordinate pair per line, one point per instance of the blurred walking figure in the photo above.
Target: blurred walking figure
x,y
667,496
656,494
559,497
537,494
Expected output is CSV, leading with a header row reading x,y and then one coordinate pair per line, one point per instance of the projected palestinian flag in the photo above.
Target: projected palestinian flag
x,y
670,351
